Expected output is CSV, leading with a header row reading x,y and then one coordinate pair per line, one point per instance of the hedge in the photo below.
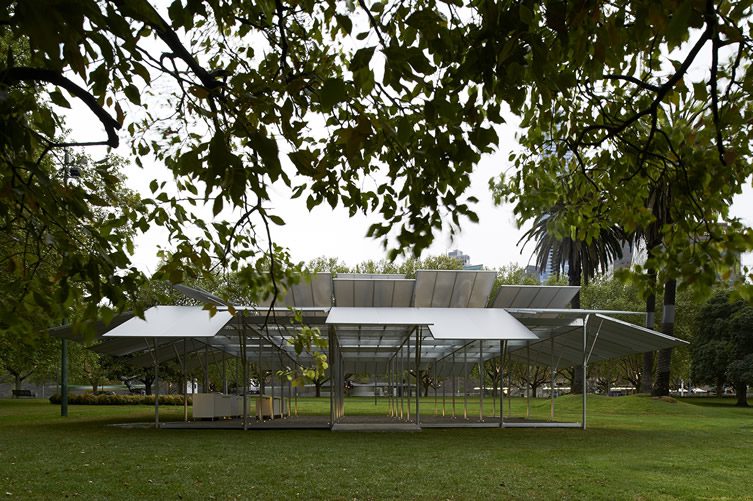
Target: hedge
x,y
91,399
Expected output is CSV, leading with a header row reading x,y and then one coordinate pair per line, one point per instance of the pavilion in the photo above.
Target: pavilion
x,y
386,326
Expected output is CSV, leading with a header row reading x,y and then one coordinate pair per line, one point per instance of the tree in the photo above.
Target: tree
x,y
24,354
722,349
409,95
580,254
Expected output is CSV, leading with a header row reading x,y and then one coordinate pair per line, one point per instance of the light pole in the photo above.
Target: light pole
x,y
64,341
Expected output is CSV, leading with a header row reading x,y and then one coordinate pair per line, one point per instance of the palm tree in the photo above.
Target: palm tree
x,y
580,259
659,202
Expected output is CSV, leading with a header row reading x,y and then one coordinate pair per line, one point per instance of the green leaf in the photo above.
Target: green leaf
x,y
57,98
133,94
332,92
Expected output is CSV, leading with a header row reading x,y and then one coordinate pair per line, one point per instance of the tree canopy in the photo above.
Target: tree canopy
x,y
722,349
385,108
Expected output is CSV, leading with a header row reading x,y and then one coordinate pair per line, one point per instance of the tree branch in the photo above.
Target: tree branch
x,y
17,74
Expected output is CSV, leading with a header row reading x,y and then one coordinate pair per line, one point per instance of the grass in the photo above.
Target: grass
x,y
635,448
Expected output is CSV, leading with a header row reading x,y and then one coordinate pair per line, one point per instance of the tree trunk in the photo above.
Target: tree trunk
x,y
647,374
664,360
720,388
17,381
318,386
741,392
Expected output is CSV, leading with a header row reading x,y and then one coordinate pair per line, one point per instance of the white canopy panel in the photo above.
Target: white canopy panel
x,y
453,288
534,296
173,321
444,323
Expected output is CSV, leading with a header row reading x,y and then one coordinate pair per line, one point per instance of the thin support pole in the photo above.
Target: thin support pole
x,y
407,362
260,384
402,386
272,390
244,363
585,368
185,383
502,350
528,379
418,375
444,398
481,380
454,385
554,376
224,374
156,386
331,344
465,383
436,403
205,383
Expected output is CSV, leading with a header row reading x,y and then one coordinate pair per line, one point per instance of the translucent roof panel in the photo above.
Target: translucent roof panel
x,y
534,296
316,292
453,288
444,323
372,276
173,321
607,338
373,293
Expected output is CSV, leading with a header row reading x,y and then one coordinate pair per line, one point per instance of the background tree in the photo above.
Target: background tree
x,y
580,254
723,344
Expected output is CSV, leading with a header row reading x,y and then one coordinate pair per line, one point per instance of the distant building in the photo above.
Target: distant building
x,y
458,254
626,261
465,259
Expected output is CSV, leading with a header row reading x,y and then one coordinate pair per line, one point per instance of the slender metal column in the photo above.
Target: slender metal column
x,y
418,374
435,380
502,350
528,379
156,386
554,376
454,385
205,383
260,383
244,362
444,397
585,367
465,383
481,380
407,364
402,386
185,383
272,389
224,374
331,344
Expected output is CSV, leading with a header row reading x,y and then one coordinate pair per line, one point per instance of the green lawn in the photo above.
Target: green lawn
x,y
635,448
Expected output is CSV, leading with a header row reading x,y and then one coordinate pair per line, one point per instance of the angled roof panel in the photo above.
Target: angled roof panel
x,y
381,293
453,288
534,296
313,293
172,321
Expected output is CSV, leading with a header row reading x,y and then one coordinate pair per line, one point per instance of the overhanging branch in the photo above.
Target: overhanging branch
x,y
18,74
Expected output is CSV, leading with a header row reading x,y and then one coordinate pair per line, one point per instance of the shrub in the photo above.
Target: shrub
x,y
91,399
